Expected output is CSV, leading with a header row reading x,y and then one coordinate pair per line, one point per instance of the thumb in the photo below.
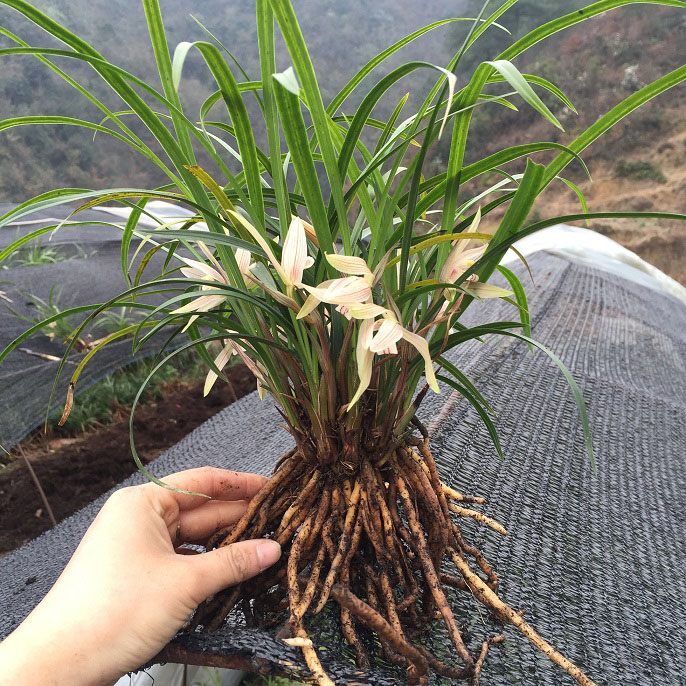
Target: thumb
x,y
228,566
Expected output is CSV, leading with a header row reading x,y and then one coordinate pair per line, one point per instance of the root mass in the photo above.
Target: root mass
x,y
372,539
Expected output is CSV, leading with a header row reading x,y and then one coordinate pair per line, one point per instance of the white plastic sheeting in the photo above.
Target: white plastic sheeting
x,y
600,252
174,675
572,242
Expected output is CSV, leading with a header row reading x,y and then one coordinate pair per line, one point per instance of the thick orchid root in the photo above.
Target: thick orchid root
x,y
507,614
371,537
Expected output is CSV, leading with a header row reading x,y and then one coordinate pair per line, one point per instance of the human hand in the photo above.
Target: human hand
x,y
126,592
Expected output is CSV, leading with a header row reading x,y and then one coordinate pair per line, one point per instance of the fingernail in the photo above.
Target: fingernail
x,y
268,552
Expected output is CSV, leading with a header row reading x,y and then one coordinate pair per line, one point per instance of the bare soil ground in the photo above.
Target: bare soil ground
x,y
662,243
74,471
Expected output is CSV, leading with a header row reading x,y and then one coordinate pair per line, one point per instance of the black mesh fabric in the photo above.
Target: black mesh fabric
x,y
597,563
92,274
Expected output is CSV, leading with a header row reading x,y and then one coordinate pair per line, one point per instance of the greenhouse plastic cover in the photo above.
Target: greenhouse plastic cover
x,y
597,563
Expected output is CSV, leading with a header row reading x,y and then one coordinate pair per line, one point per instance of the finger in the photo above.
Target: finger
x,y
219,484
231,564
201,522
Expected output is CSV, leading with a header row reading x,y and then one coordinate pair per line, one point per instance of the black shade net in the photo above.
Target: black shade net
x,y
597,563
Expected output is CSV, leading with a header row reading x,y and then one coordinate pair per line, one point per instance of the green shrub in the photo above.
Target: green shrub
x,y
96,405
640,170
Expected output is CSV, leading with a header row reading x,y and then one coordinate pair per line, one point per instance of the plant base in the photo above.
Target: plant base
x,y
372,539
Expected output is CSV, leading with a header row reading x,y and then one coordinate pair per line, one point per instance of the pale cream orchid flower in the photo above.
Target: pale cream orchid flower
x,y
220,362
197,270
351,290
245,264
365,359
294,257
460,259
361,311
259,372
384,342
201,271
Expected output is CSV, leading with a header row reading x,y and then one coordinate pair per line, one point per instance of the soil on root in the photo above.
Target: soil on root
x,y
75,471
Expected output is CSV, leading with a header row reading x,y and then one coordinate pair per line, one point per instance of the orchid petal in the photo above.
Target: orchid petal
x,y
220,363
309,305
189,323
294,253
390,332
347,291
423,348
193,273
459,262
202,303
349,265
485,290
200,270
365,360
243,260
452,263
366,311
250,364
312,300
311,233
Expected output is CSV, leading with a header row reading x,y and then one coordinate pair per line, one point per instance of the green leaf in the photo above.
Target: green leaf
x,y
544,83
464,380
616,114
514,77
349,87
180,53
295,133
502,246
244,133
265,38
512,221
207,238
295,42
132,442
520,297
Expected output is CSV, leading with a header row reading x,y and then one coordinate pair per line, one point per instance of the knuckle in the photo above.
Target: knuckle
x,y
206,471
122,495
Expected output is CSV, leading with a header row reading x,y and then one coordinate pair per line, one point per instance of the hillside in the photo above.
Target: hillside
x,y
341,37
641,164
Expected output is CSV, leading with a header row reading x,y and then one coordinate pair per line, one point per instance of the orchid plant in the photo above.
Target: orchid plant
x,y
337,269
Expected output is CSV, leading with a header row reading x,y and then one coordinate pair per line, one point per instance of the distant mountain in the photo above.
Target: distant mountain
x,y
639,165
342,36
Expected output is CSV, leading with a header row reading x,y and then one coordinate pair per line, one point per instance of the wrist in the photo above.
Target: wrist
x,y
39,655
